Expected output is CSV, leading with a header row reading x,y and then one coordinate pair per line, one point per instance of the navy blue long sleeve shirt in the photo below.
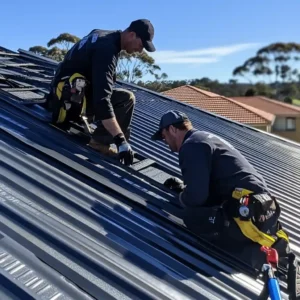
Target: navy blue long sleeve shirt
x,y
212,168
95,57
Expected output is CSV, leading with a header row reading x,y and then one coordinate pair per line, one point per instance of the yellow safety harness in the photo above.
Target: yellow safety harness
x,y
247,225
69,96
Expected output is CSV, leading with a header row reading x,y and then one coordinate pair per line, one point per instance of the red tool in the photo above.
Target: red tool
x,y
271,288
272,255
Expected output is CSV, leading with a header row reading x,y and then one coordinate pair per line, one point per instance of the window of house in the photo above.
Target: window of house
x,y
285,124
290,123
279,124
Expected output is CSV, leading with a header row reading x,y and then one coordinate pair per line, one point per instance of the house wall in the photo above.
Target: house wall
x,y
283,126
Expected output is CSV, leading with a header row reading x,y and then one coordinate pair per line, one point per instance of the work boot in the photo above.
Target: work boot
x,y
103,149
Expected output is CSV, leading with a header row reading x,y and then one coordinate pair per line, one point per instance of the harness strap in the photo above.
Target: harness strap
x,y
251,211
254,234
69,101
252,220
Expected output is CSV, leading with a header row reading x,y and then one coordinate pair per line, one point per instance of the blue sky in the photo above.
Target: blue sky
x,y
194,38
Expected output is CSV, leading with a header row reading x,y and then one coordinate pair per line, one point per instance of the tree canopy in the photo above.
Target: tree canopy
x,y
132,67
275,62
65,40
274,68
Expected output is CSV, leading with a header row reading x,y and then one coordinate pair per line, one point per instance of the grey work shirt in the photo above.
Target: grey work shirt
x,y
212,168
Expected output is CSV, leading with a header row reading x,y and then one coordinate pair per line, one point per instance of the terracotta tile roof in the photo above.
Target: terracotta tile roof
x,y
220,105
271,106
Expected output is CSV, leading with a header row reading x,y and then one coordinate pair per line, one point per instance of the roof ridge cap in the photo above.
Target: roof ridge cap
x,y
206,93
254,110
294,107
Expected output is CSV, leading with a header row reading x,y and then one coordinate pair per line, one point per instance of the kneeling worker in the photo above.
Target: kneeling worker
x,y
82,89
224,198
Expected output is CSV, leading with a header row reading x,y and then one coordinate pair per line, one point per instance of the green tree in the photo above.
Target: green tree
x,y
288,90
233,82
66,40
263,89
57,53
288,100
251,92
39,50
275,59
132,67
242,71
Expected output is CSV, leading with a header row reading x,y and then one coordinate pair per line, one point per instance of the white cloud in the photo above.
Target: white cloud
x,y
199,56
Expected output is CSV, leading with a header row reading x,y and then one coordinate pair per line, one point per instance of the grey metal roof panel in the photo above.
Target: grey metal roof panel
x,y
8,51
54,212
28,276
32,56
147,236
115,230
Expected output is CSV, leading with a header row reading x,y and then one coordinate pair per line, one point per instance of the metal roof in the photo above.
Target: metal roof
x,y
77,226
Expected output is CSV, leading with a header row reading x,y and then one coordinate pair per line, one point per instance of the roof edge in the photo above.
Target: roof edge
x,y
281,103
270,117
210,113
258,112
277,102
206,93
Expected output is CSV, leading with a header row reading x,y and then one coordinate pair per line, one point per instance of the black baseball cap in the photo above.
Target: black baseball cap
x,y
171,117
145,30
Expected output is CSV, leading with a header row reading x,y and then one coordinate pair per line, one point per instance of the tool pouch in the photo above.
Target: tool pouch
x,y
262,209
264,212
69,103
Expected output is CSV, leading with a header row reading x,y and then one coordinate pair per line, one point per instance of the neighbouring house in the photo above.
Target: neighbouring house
x,y
223,106
285,117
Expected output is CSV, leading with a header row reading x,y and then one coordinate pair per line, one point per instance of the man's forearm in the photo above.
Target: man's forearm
x,y
112,126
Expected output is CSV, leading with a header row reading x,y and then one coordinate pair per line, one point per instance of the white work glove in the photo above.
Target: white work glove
x,y
126,154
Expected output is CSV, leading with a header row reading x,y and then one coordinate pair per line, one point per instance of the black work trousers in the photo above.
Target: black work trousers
x,y
214,226
123,102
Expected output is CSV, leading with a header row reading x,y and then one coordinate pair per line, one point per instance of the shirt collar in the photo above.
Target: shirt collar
x,y
188,134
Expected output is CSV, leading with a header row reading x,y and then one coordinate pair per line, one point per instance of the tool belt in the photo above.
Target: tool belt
x,y
68,101
257,216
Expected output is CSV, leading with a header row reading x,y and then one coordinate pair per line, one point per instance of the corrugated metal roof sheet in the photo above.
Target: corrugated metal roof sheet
x,y
75,226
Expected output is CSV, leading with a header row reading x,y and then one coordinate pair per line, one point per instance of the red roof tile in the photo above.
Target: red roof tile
x,y
217,104
268,105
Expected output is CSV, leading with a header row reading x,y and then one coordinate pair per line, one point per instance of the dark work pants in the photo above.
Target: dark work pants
x,y
235,243
123,103
229,239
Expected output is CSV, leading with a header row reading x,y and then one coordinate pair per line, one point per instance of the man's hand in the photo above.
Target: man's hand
x,y
174,184
126,154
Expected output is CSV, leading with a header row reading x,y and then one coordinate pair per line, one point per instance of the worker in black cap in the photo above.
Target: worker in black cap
x,y
224,198
83,90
